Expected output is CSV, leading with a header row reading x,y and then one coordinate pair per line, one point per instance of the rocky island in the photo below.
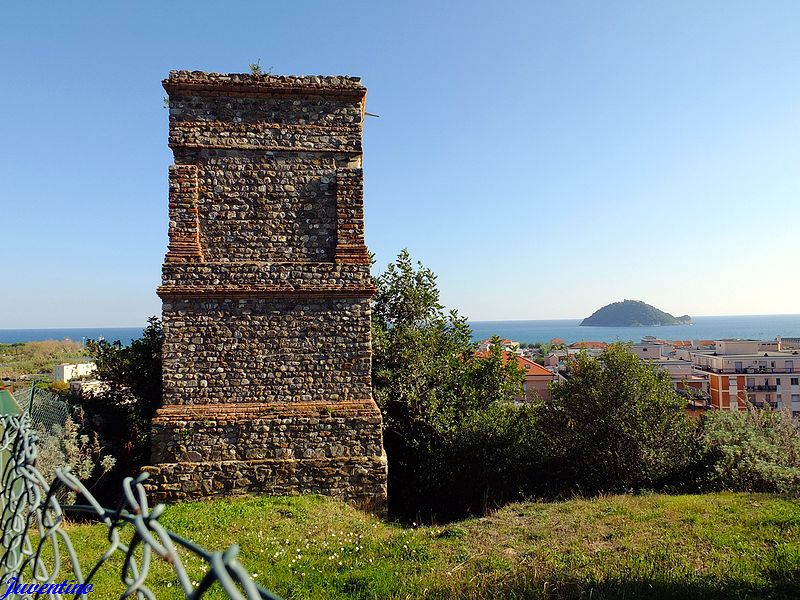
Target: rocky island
x,y
633,313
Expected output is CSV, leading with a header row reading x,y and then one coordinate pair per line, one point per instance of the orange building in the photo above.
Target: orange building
x,y
740,374
537,377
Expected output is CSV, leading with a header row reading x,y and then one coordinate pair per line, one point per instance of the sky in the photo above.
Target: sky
x,y
542,158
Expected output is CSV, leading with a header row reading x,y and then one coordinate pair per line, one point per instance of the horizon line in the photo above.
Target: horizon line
x,y
468,320
693,317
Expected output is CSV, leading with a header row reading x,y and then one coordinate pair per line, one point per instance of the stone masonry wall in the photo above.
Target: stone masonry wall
x,y
289,207
266,291
256,448
276,350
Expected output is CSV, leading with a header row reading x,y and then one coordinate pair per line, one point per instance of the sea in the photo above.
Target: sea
x,y
760,327
77,334
755,327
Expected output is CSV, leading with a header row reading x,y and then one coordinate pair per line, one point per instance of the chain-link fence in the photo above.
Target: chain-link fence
x,y
49,417
37,553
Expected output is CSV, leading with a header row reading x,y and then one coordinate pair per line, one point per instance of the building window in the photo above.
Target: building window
x,y
777,381
794,380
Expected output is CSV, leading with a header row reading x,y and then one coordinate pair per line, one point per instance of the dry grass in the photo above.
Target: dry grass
x,y
37,358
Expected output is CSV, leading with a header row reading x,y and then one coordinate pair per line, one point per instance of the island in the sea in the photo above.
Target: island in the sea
x,y
633,313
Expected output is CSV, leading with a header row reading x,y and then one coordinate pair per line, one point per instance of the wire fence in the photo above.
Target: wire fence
x,y
38,554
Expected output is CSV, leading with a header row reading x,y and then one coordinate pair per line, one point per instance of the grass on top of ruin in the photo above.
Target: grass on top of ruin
x,y
645,546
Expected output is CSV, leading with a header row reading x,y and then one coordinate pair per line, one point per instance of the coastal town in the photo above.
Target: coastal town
x,y
725,374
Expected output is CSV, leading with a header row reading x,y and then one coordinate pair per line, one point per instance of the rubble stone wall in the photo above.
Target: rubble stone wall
x,y
266,290
266,350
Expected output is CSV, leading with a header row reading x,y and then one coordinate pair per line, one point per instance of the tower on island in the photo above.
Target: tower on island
x,y
266,293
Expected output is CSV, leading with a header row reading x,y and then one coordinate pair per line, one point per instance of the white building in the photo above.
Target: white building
x,y
68,372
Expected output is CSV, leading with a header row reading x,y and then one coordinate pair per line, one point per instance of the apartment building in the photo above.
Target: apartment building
x,y
749,371
693,385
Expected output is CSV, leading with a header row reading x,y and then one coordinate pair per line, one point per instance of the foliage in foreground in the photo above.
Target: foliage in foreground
x,y
122,415
616,424
756,450
430,387
458,445
711,546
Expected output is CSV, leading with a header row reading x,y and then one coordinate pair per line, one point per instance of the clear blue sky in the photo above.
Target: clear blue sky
x,y
543,158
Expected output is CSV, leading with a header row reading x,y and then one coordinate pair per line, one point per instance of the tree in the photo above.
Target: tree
x,y
122,415
616,424
427,382
135,368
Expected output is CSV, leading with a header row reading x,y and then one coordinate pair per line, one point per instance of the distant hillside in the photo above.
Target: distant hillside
x,y
633,313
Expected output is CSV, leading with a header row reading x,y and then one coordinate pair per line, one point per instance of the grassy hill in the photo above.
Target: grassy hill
x,y
650,546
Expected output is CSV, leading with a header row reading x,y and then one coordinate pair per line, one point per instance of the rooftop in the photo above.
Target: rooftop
x,y
589,345
528,366
8,406
765,354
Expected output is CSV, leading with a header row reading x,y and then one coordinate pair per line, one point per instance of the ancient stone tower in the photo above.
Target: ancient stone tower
x,y
266,293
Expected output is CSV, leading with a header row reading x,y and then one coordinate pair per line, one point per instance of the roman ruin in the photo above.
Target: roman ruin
x,y
266,293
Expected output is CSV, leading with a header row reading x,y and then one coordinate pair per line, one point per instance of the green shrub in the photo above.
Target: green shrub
x,y
121,416
429,385
754,450
494,457
615,424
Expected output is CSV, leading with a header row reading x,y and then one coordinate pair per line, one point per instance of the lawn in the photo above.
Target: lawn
x,y
644,546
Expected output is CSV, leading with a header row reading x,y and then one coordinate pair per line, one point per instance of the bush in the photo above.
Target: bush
x,y
456,442
121,416
615,424
65,441
429,385
58,388
755,450
492,458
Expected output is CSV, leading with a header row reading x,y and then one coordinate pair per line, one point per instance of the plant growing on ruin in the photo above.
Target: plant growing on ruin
x,y
255,69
